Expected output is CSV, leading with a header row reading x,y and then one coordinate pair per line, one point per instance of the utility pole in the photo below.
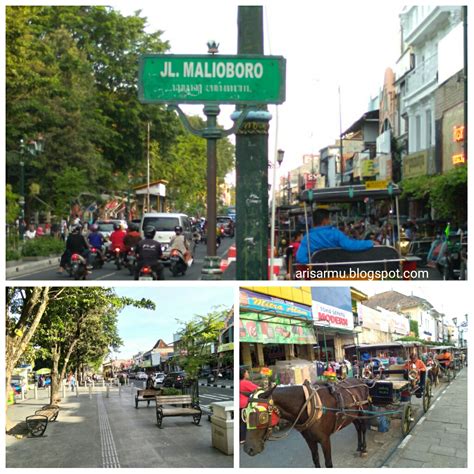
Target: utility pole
x,y
252,164
148,168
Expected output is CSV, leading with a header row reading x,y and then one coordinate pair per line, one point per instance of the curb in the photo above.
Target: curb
x,y
215,385
24,268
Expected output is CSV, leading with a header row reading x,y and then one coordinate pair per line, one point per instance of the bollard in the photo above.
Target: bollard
x,y
107,391
120,390
35,391
131,390
77,391
144,385
90,391
22,394
103,383
93,384
49,391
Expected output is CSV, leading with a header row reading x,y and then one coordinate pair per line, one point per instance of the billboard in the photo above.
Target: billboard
x,y
332,307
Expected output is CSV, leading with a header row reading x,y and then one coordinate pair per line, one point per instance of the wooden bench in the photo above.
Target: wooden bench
x,y
146,395
176,405
38,422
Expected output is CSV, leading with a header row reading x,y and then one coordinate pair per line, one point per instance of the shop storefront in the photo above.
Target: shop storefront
x,y
272,329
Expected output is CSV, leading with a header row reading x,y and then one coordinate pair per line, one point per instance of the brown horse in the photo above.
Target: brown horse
x,y
336,406
434,371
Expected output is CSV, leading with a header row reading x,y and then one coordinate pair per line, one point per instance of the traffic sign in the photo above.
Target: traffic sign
x,y
242,79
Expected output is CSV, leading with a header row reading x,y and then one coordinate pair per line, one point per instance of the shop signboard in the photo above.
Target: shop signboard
x,y
259,328
332,307
229,346
155,359
370,318
266,303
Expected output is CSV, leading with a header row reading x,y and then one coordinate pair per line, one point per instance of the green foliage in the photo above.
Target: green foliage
x,y
12,254
170,391
42,247
444,192
414,328
13,206
68,185
197,336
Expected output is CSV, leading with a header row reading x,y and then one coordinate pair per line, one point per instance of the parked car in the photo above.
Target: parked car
x,y
141,376
176,380
132,375
164,223
159,378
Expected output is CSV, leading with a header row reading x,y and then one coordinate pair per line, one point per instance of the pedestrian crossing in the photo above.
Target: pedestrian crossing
x,y
212,397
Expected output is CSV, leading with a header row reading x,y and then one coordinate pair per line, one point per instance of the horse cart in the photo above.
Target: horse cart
x,y
445,359
379,262
391,391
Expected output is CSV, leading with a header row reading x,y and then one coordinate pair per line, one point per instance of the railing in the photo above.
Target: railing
x,y
423,75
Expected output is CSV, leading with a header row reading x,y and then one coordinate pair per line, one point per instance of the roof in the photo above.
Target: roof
x,y
152,183
395,301
372,116
386,344
344,194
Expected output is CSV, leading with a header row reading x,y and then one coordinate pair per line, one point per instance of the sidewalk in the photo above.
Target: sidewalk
x,y
439,439
111,432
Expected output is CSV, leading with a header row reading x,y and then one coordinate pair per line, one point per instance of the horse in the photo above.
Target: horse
x,y
434,371
317,411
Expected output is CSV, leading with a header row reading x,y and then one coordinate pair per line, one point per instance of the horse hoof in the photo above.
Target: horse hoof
x,y
364,454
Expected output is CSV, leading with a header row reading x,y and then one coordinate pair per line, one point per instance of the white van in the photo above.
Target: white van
x,y
164,223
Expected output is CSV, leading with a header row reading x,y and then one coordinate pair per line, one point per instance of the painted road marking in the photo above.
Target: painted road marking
x,y
404,442
422,419
109,451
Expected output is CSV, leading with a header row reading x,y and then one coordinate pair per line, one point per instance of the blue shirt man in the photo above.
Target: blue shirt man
x,y
324,236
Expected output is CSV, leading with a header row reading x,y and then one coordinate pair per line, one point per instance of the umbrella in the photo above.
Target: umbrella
x,y
43,371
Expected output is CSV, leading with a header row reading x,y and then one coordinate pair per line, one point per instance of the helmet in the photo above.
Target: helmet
x,y
117,226
133,227
149,232
93,227
178,229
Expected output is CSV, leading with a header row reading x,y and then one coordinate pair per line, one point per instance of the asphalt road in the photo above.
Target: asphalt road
x,y
294,452
109,272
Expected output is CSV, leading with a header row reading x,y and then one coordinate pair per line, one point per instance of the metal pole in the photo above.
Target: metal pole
x,y
272,235
90,391
464,8
340,134
211,134
107,391
148,168
35,392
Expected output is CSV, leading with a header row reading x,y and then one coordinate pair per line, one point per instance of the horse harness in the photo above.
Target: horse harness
x,y
262,413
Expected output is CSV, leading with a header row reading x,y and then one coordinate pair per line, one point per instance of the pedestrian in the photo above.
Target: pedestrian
x,y
246,387
31,232
150,382
72,382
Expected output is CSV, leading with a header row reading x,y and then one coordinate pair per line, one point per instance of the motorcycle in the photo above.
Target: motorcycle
x,y
147,274
177,263
118,258
77,267
131,261
95,259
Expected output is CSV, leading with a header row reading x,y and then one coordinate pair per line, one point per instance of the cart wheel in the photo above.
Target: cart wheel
x,y
406,419
427,394
453,373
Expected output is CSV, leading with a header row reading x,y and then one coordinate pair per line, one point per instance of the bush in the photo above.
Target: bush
x,y
42,247
13,255
171,391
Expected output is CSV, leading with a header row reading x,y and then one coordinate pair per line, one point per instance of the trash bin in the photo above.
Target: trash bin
x,y
222,425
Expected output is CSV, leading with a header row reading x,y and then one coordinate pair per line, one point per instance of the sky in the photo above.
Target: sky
x,y
141,328
450,299
330,45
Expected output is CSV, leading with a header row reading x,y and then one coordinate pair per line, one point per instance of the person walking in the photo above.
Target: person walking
x,y
72,382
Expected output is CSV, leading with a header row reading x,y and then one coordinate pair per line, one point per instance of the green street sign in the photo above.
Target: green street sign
x,y
185,79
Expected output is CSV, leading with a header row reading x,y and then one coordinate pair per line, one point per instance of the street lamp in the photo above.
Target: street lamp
x,y
279,159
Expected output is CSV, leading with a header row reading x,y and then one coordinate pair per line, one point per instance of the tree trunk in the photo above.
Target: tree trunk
x,y
55,380
19,334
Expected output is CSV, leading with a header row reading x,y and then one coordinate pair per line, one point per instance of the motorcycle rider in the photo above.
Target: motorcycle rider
x,y
116,240
132,237
179,242
96,240
75,243
149,253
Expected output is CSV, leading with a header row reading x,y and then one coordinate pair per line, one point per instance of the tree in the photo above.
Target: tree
x,y
25,308
196,339
81,323
13,206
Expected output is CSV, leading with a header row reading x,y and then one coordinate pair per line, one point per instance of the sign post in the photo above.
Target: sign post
x,y
211,80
